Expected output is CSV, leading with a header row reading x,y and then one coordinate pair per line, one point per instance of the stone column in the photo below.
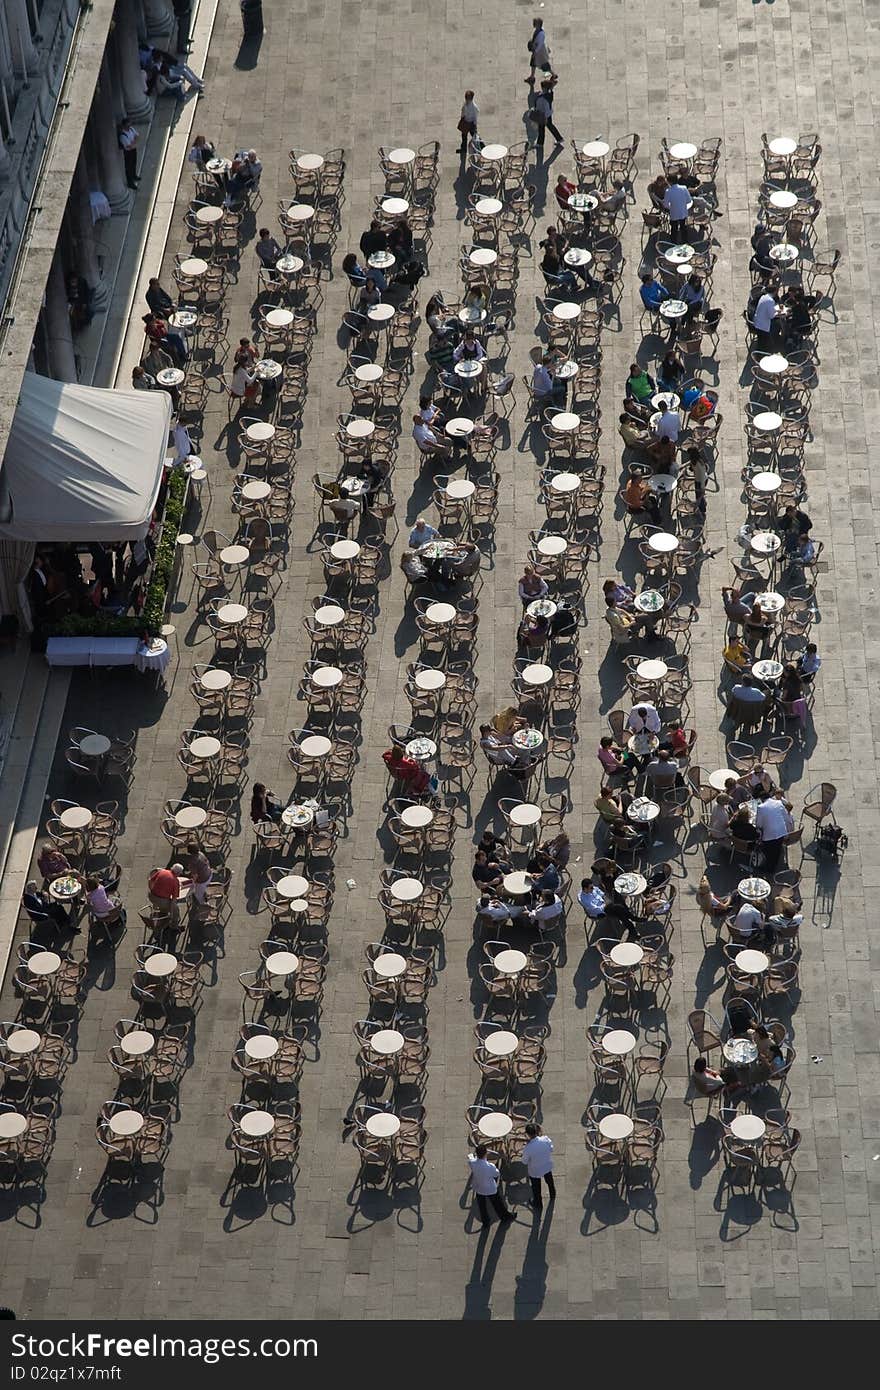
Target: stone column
x,y
24,58
83,229
103,120
160,19
125,42
59,338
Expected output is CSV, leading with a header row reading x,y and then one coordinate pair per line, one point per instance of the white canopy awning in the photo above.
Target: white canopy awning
x,y
82,463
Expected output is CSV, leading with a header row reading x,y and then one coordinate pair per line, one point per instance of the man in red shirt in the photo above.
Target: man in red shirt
x,y
164,885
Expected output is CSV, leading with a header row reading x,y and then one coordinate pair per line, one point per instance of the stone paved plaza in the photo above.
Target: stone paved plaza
x,y
370,74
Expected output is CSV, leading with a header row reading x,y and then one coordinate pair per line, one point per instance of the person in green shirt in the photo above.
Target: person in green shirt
x,y
640,386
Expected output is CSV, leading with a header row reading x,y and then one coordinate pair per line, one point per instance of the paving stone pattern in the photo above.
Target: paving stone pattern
x,y
367,74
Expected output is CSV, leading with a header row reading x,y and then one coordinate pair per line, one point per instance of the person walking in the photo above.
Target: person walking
x,y
484,1180
539,51
538,1158
542,113
467,122
128,138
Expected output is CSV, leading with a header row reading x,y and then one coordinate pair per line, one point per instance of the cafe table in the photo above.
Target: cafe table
x,y
22,1041
642,810
326,677
501,1043
631,884
488,207
537,674
137,1043
663,542
387,1042
616,1126
417,817
421,748
742,1052
541,608
673,309
517,883
753,890
43,963
720,777
565,422
752,962
315,746
618,1042
382,1126
627,953
160,964
552,545
125,1124
191,817
292,886
510,962
525,814
683,150
749,1128
257,1124
428,678
262,1047
407,890
460,427
482,256
76,817
495,1125
390,966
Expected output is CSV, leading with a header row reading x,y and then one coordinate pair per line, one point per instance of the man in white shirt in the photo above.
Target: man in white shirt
x,y
591,899
182,443
538,1158
484,1180
748,920
467,121
766,310
545,387
549,908
774,820
427,440
668,425
678,203
642,718
421,533
662,771
492,909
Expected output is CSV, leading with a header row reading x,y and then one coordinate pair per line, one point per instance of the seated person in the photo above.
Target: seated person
x,y
405,769
507,721
736,608
531,586
40,907
719,820
737,654
532,632
639,498
268,252
264,805
708,901
652,293
100,903
370,295
592,899
52,862
373,240
547,878
613,759
554,269
547,390
490,843
748,923
741,827
622,594
808,663
747,693
492,909
487,873
421,534
564,190
639,385
611,805
696,402
634,434
770,1056
464,560
706,1081
677,740
548,910
670,371
657,191
692,294
357,273
621,622
558,849
662,772
625,836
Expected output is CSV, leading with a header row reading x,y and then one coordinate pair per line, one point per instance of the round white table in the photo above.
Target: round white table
x,y
137,1043
282,963
421,748
65,888
482,256
774,364
783,200
208,216
753,890
582,202
257,1124
43,963
679,255
596,149
234,556
649,601
767,670
407,890
300,212
76,817
256,491
279,318
440,613
297,817
326,677
683,150
501,1043
566,311
741,1051
205,747
345,550
460,489
642,743
387,1041
552,545
183,318
126,1123
525,814
261,1047
160,964
329,615
527,739
381,314
565,482
390,965
630,885
748,1128
94,745
184,538
517,883
292,886
469,369
673,309
488,207
215,679
618,1042
784,253
495,1126
289,265
360,428
417,817
170,376
260,432
510,962
782,145
765,543
310,163
770,602
537,674
231,614
402,155
565,422
626,953
369,372
663,542
22,1041
395,207
381,260
193,267
663,483
382,1126
667,398
566,370
430,679
542,608
616,1126
315,746
642,809
460,427
12,1125
767,422
721,777
492,153
652,670
765,482
752,962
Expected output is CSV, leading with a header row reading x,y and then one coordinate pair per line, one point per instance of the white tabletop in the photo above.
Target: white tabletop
x,y
769,601
517,883
596,149
649,601
683,150
552,545
257,1123
380,313
752,962
643,742
386,1042
784,252
381,260
23,1040
774,363
469,368
205,747
137,1043
767,670
64,888
510,962
740,1050
421,748
495,1126
292,886
234,555
310,162
626,953
566,311
300,212
209,215
651,670
282,963
616,1126
315,746
537,674
460,489
193,267
75,817
472,313
12,1124
325,677
662,482
369,371
542,608
279,318
329,615
256,491
267,369
44,963
407,890
753,889
765,482
749,1128
765,542
126,1122
345,550
402,155
501,1043
360,428
382,1126
565,482
526,813
232,613
720,777
183,318
566,370
213,679
488,207
673,309
260,432
390,965
493,152
160,964
783,145
618,1042
631,885
417,817
94,745
261,1047
459,427
527,739
582,202
578,255
664,542
482,255
783,199
395,207
297,818
643,809
679,255
430,679
440,613
565,421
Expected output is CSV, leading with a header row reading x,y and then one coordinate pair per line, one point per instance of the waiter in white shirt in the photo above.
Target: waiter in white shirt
x,y
774,820
643,718
484,1180
668,424
538,1158
678,203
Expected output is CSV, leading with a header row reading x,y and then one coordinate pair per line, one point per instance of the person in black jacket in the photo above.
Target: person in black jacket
x,y
159,300
374,239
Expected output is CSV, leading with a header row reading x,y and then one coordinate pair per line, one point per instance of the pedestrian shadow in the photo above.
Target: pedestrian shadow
x,y
531,1283
248,53
704,1152
478,1290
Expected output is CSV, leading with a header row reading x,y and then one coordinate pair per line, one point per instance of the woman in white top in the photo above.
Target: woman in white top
x,y
719,821
244,384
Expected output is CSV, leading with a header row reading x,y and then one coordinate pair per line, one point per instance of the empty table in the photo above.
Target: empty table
x,y
369,372
381,314
300,212
596,149
673,309
395,207
488,207
767,670
292,886
345,550
289,265
282,963
260,432
630,885
482,256
460,427
94,745
721,777
527,739
381,260
206,746
683,150
616,1126
495,1126
565,482
460,489
382,1126
566,311
421,748
75,817
184,538
663,483
329,615
160,964
618,1042
256,491
510,962
774,364
753,890
749,1128
208,216
407,890
215,679
582,202
767,422
22,1041
492,153
193,267
234,556
526,813
231,614
359,428
126,1123
552,545
565,422
679,255
765,482
386,1042
517,883
784,253
12,1124
279,318
741,1051
257,1123
297,818
261,1047
663,542
649,601
430,679
651,670
417,817
315,746
137,1043
752,962
44,963
626,953
541,608
501,1043
783,145
326,677
783,199
642,809
440,613
765,543
537,674
191,817
390,965
402,155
